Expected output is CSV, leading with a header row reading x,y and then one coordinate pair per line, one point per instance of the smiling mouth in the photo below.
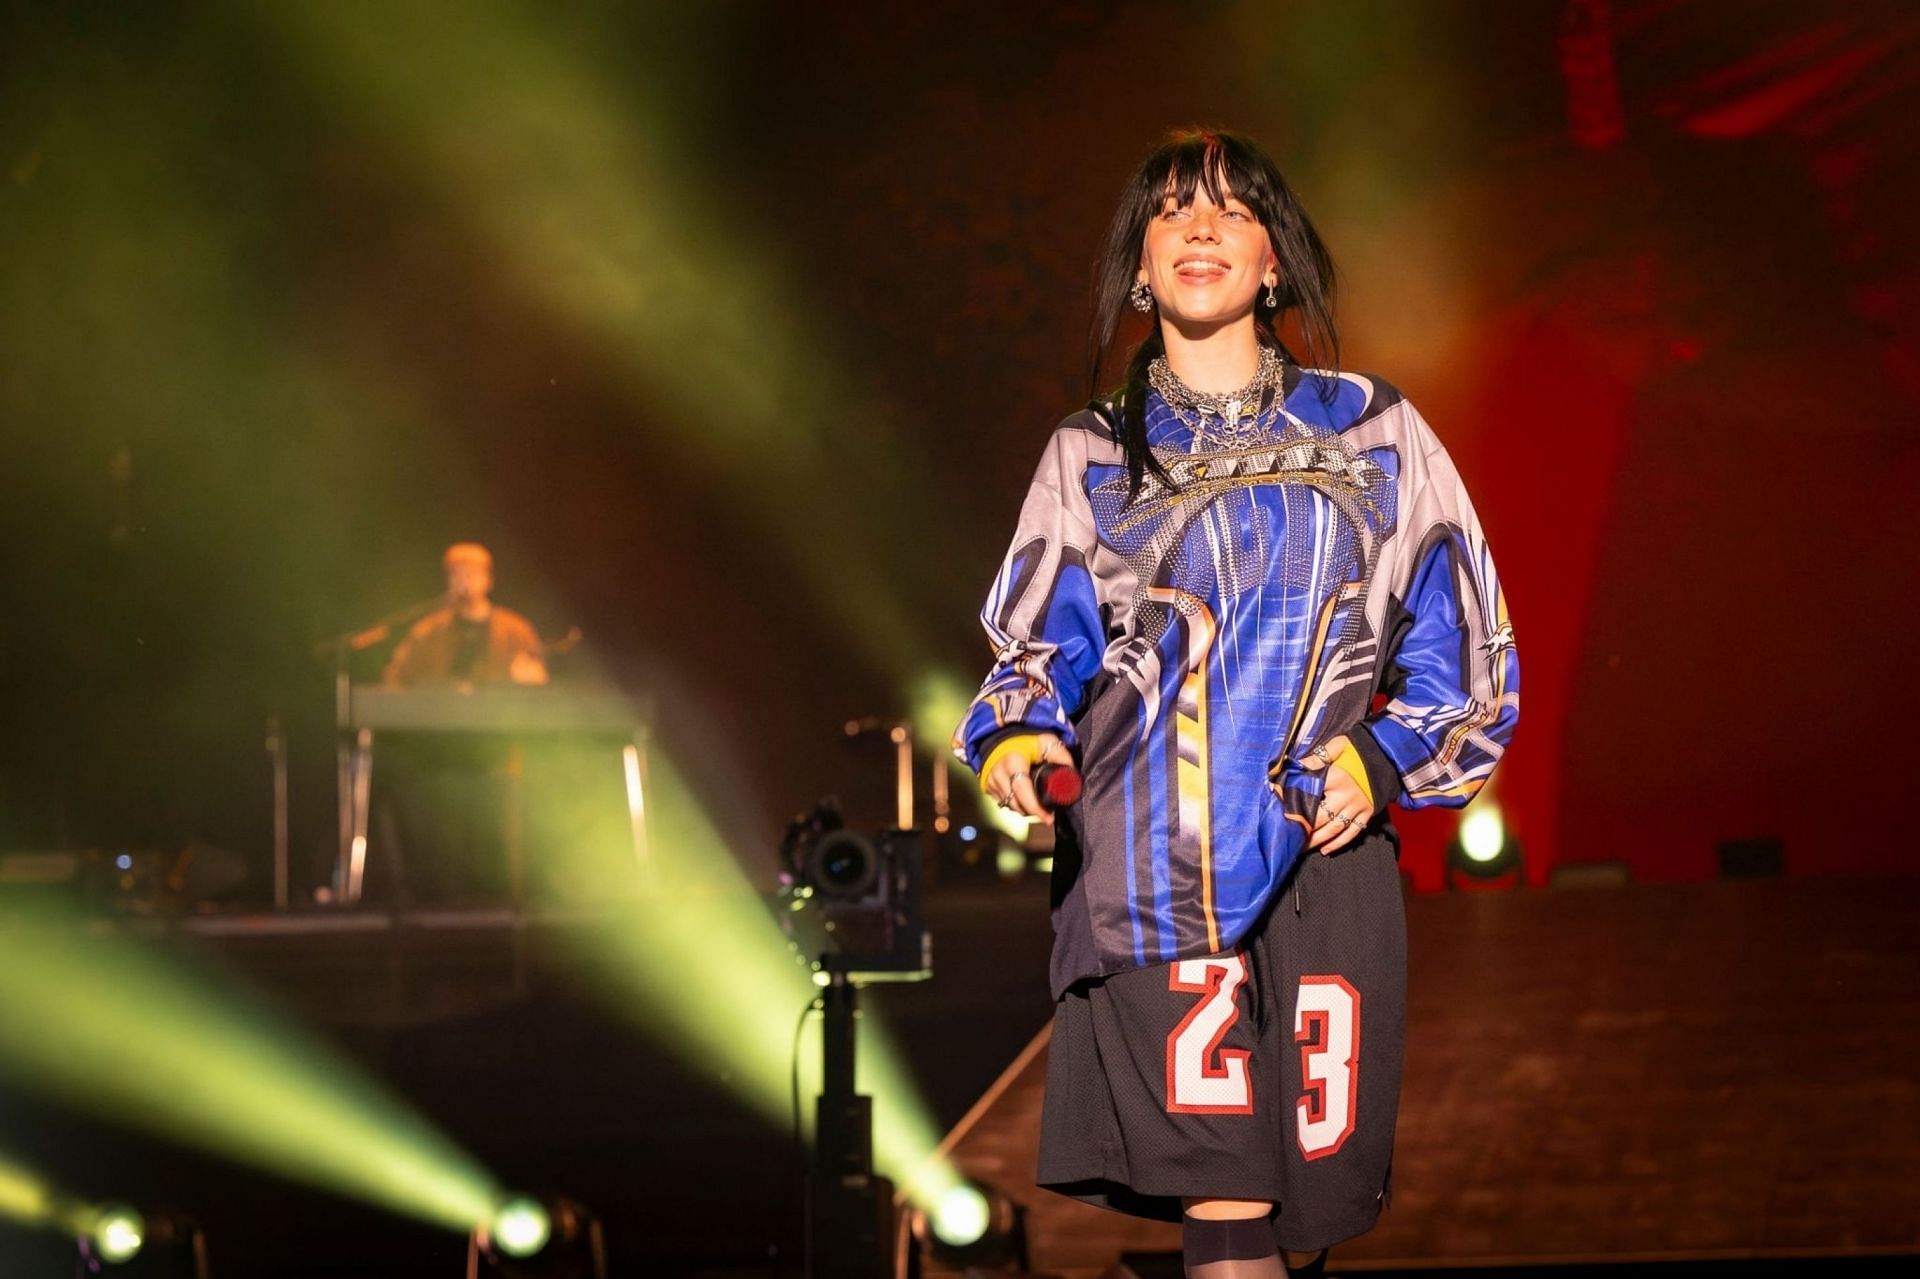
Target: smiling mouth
x,y
1200,268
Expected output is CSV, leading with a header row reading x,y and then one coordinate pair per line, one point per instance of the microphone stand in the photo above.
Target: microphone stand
x,y
359,640
341,649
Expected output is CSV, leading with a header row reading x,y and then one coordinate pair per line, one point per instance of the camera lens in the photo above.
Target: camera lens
x,y
843,865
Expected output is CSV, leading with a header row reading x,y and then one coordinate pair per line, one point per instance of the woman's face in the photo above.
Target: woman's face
x,y
1206,263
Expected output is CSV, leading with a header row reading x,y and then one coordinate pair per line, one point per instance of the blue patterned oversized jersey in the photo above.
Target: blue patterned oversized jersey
x,y
1191,643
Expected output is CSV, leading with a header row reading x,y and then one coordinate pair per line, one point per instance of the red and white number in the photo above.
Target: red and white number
x,y
1326,1025
1202,1077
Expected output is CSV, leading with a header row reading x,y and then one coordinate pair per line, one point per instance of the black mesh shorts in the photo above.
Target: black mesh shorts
x,y
1270,1072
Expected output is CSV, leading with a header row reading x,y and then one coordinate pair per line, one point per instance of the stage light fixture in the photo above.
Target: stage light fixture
x,y
1483,853
971,1227
960,1216
528,1238
107,1236
1483,836
117,1234
521,1227
114,1239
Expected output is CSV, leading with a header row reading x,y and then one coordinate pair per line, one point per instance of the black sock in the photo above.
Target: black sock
x,y
1239,1248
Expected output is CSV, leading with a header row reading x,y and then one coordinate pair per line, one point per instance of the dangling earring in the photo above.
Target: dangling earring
x,y
1141,296
1273,299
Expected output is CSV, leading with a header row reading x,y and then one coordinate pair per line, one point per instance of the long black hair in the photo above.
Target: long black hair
x,y
1222,164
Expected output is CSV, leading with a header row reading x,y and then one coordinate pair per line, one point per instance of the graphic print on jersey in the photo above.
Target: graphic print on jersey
x,y
1188,640
1202,1077
1326,1025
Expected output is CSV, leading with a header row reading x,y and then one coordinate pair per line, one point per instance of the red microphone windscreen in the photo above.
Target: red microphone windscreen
x,y
1059,785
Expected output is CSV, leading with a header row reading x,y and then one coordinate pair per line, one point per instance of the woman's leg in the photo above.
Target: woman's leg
x,y
1228,1239
1336,954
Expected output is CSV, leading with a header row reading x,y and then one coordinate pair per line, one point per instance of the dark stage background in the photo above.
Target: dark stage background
x,y
736,329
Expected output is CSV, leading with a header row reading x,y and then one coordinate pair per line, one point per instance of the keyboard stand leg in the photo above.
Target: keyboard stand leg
x,y
515,821
343,787
634,760
362,769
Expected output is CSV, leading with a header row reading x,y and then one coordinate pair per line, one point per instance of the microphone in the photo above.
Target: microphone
x,y
1057,785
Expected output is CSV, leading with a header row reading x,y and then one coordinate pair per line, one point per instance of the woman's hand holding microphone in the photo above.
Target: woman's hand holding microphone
x,y
1008,774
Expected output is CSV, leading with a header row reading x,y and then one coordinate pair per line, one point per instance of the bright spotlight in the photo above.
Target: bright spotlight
x,y
529,1238
970,1228
521,1227
1482,835
118,1233
1483,854
960,1216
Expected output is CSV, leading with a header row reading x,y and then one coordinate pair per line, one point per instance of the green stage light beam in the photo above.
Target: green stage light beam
x,y
28,1199
571,183
692,954
581,181
192,289
24,1197
132,1034
585,182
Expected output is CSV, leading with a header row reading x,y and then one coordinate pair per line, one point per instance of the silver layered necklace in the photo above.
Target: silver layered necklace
x,y
1223,419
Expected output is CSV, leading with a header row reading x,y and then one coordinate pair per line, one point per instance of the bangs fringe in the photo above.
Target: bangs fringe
x,y
1222,164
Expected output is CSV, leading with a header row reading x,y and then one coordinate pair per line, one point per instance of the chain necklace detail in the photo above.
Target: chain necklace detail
x,y
1235,415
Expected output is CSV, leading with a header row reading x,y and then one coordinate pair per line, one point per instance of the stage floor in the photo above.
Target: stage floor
x,y
1680,1072
1688,1071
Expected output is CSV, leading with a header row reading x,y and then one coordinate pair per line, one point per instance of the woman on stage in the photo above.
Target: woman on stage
x,y
1218,567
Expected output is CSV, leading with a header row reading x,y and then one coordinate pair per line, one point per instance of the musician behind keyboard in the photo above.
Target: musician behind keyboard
x,y
469,640
440,799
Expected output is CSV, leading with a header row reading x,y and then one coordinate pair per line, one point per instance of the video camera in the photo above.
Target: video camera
x,y
853,898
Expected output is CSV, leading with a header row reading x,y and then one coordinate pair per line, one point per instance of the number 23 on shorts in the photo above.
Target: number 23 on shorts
x,y
1204,1078
1326,1025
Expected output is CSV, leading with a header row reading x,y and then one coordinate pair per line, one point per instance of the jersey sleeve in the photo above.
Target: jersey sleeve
x,y
1451,674
1044,614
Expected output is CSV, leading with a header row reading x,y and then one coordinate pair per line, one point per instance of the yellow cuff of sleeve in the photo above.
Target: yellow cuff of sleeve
x,y
1027,745
1349,762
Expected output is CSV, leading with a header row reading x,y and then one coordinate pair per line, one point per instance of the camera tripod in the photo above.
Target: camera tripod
x,y
850,1213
